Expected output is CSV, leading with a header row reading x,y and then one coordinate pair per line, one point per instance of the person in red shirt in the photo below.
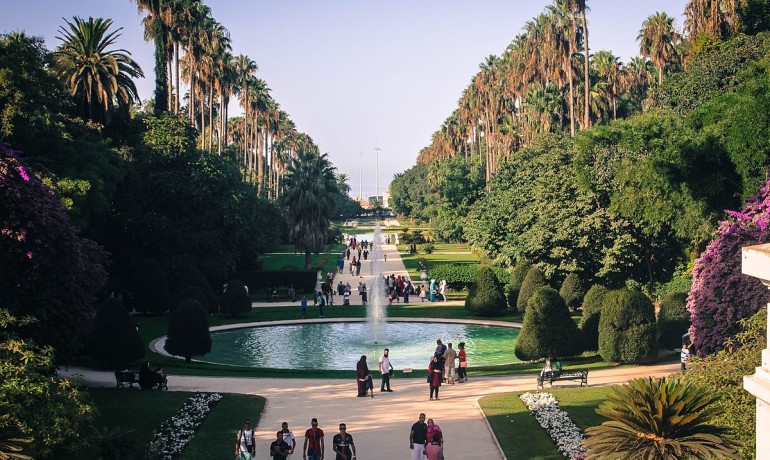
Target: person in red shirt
x,y
313,449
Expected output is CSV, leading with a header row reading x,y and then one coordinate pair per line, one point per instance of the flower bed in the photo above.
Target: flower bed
x,y
556,422
175,433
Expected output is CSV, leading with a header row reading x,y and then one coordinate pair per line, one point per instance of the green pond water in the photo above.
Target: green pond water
x,y
338,346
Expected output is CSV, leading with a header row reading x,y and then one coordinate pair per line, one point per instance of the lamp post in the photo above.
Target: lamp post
x,y
377,176
361,179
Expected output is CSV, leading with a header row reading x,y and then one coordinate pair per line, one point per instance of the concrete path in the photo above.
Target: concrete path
x,y
380,425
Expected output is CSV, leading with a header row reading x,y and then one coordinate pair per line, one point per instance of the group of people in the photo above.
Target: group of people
x,y
437,292
285,443
364,379
426,439
397,287
444,368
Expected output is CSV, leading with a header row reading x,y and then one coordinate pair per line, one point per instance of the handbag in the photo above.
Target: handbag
x,y
390,372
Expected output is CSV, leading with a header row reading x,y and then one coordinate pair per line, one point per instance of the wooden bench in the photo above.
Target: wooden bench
x,y
123,378
580,375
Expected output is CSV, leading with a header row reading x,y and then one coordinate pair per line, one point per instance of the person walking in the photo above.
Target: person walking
x,y
450,355
462,372
434,450
313,448
433,430
435,375
386,369
442,289
288,438
362,369
278,448
303,306
245,448
418,437
684,356
343,445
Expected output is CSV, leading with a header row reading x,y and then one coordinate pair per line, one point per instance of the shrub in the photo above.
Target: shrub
x,y
627,327
485,298
428,248
150,287
114,340
721,295
188,331
191,276
589,323
548,330
235,300
190,292
259,280
532,282
673,320
457,276
517,278
572,291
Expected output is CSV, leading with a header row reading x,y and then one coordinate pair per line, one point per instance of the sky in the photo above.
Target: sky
x,y
357,75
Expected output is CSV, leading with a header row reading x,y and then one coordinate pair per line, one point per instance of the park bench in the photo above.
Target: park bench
x,y
123,378
580,375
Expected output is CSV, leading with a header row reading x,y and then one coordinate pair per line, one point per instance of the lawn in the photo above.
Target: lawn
x,y
144,411
443,254
518,432
286,259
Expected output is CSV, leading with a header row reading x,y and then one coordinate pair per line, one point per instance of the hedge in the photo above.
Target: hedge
x,y
262,280
461,276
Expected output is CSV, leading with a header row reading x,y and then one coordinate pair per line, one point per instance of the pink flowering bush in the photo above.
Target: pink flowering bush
x,y
721,295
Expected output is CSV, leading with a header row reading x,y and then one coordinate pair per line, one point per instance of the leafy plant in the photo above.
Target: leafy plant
x,y
235,300
589,322
627,327
548,330
485,298
13,441
188,331
150,287
114,341
532,282
673,320
115,443
572,291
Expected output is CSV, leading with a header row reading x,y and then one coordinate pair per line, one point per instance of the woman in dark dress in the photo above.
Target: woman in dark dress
x,y
436,374
361,370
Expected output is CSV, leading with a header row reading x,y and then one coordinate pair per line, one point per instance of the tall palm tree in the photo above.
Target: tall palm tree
x,y
564,22
310,187
156,29
608,66
579,9
658,41
659,419
636,77
99,78
717,18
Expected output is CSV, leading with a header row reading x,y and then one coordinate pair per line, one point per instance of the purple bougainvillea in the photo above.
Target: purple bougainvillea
x,y
46,269
721,295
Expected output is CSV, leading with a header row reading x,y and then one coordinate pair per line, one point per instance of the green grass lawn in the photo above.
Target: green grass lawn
x,y
144,411
286,259
518,432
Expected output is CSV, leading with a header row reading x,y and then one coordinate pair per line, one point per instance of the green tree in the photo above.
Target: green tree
x,y
308,201
532,282
589,322
100,79
156,28
627,327
548,330
235,300
673,320
518,274
572,291
45,407
485,297
114,340
659,419
188,331
150,288
188,276
658,41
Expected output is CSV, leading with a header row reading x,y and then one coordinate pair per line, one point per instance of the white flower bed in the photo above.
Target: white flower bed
x,y
556,423
176,432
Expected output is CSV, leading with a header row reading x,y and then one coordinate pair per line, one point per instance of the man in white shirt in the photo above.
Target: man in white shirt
x,y
288,438
385,369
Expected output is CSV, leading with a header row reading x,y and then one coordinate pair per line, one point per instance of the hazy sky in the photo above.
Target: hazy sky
x,y
355,75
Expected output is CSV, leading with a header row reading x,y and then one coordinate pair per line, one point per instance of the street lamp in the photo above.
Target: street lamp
x,y
377,175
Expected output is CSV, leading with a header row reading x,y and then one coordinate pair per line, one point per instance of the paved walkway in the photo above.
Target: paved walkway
x,y
379,425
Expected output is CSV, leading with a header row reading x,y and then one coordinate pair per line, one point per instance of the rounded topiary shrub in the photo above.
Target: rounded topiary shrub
x,y
589,322
518,274
150,288
572,291
114,341
627,327
235,300
532,282
486,297
673,320
548,330
191,276
188,331
190,292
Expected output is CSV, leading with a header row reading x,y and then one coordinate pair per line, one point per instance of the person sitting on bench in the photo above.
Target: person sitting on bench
x,y
149,378
547,367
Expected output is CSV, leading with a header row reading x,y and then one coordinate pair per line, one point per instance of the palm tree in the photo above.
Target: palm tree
x,y
659,419
156,29
607,66
717,18
100,79
564,22
308,201
658,41
636,77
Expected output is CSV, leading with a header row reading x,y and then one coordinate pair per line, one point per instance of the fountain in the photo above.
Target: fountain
x,y
375,307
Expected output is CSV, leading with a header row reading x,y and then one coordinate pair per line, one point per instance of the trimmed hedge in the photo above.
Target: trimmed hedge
x,y
572,291
150,287
589,323
673,320
188,331
114,341
463,276
235,300
532,282
627,329
263,280
548,330
517,279
486,297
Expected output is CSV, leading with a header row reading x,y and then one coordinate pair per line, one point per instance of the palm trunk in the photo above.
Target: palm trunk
x,y
211,117
308,259
587,74
178,81
571,94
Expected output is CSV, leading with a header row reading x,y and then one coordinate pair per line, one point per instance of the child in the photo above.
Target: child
x,y
421,294
368,384
346,298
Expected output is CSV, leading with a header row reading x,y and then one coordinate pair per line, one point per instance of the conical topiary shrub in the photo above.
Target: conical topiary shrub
x,y
191,276
114,341
235,300
673,320
572,291
589,323
532,282
150,287
188,331
486,297
190,292
518,274
627,327
548,330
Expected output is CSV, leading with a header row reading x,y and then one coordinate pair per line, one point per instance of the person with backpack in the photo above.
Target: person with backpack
x,y
245,449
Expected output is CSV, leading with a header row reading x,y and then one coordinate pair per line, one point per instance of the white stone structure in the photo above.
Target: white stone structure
x,y
756,263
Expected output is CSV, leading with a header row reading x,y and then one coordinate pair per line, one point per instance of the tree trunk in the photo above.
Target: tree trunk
x,y
587,74
571,94
308,259
178,81
211,117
